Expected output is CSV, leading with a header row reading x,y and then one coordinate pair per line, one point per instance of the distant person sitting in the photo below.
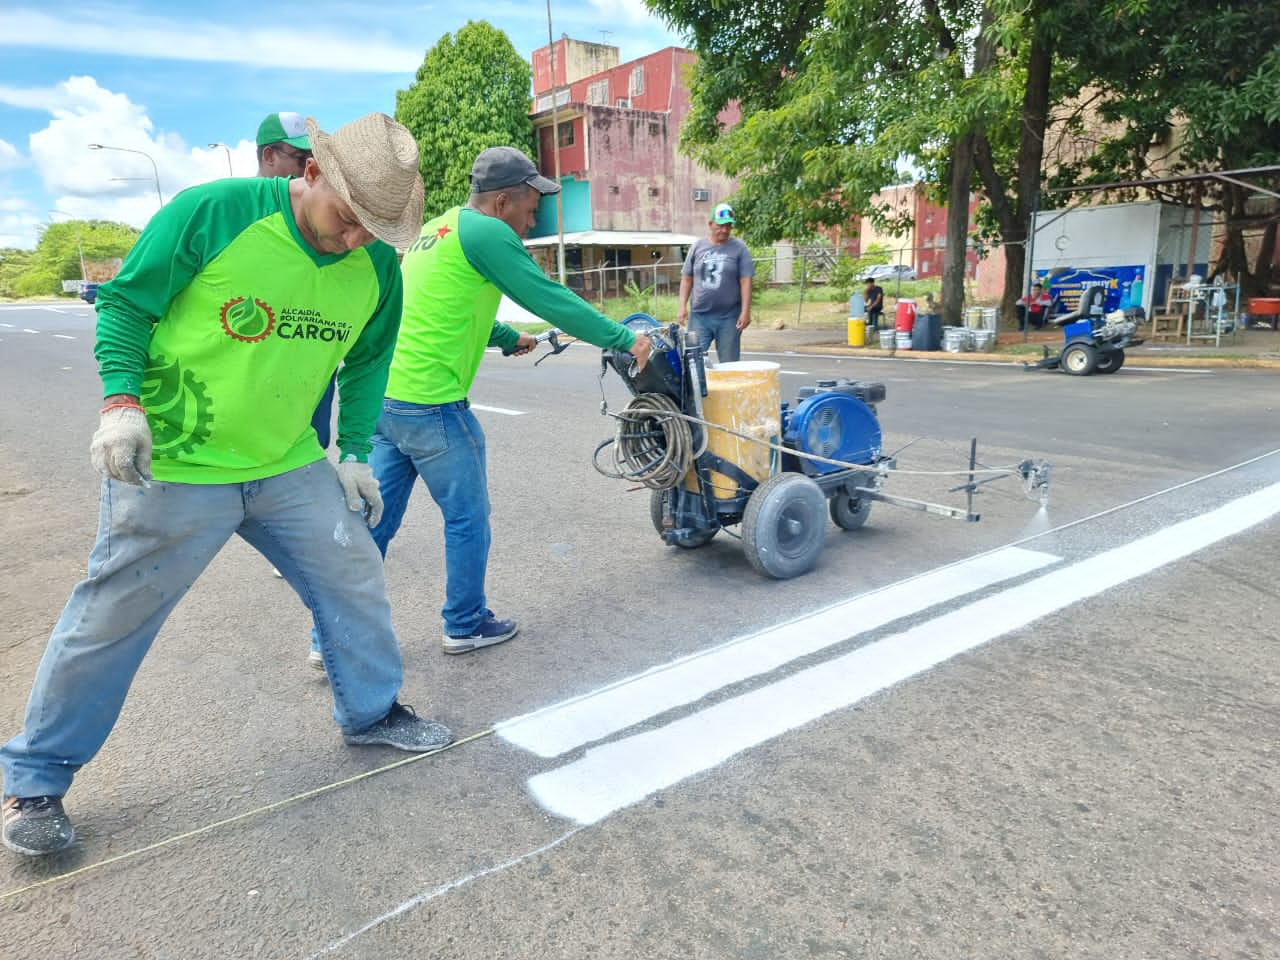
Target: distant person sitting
x,y
1034,308
873,297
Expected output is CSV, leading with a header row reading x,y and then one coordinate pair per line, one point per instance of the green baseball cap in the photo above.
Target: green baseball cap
x,y
290,128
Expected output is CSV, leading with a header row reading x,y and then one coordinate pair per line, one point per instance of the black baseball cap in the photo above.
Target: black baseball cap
x,y
500,167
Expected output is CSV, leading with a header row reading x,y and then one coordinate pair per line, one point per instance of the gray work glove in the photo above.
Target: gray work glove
x,y
360,487
121,449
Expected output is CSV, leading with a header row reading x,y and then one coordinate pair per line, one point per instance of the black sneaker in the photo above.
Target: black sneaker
x,y
36,825
487,634
405,730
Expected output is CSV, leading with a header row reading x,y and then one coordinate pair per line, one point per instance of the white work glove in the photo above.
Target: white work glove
x,y
360,487
121,449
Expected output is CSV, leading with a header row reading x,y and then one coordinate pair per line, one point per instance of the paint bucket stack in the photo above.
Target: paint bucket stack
x,y
981,318
888,339
955,339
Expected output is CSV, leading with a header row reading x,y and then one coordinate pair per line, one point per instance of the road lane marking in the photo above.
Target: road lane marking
x,y
502,410
64,336
572,723
620,773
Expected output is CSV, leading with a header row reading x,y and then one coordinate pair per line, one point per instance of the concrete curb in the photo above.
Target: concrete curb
x,y
1135,356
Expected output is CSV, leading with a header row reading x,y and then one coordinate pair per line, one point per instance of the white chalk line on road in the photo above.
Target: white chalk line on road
x,y
564,726
502,410
428,895
618,774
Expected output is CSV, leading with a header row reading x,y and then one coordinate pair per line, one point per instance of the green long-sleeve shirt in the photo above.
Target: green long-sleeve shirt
x,y
455,274
227,325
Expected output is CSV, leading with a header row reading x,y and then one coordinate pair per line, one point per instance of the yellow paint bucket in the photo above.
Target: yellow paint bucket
x,y
857,332
746,397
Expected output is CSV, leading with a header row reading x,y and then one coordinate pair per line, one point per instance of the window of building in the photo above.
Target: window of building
x,y
637,79
598,93
565,133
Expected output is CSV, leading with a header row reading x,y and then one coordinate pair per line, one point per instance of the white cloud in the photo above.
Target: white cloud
x,y
10,158
158,38
107,184
632,11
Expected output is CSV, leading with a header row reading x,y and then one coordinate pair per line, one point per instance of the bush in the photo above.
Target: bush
x,y
37,282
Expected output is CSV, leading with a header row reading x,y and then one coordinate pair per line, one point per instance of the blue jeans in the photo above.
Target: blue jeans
x,y
444,445
152,545
723,330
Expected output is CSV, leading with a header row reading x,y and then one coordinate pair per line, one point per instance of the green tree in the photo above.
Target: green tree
x,y
471,92
1190,86
61,245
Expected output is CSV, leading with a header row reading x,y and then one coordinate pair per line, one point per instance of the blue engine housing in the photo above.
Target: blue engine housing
x,y
835,422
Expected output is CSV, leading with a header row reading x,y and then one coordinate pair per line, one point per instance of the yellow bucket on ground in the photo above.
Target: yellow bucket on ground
x,y
745,396
857,332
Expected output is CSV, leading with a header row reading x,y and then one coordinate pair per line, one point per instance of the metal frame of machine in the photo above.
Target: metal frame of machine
x,y
831,462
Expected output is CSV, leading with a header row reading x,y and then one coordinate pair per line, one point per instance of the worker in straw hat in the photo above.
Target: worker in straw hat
x,y
214,343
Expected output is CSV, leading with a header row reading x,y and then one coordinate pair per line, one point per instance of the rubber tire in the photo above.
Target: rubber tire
x,y
1109,361
784,526
1079,359
849,513
699,538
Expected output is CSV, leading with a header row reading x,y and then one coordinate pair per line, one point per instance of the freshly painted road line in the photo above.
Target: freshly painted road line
x,y
502,410
560,727
618,774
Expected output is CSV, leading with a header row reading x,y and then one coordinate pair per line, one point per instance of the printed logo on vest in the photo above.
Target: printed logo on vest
x,y
247,319
178,408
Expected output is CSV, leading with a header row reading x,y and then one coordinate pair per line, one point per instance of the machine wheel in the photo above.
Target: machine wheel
x,y
783,526
1109,361
849,513
699,538
1079,359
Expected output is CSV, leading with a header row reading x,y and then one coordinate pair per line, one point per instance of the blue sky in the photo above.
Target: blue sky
x,y
168,78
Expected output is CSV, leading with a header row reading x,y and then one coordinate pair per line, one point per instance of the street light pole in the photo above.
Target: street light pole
x,y
213,146
154,168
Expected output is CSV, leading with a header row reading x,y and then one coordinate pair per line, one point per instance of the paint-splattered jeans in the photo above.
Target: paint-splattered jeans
x,y
443,444
152,544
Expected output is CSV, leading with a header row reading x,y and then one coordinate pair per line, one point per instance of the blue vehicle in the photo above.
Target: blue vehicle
x,y
1093,340
88,292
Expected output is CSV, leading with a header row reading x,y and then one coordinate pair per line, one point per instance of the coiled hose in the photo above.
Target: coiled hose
x,y
653,443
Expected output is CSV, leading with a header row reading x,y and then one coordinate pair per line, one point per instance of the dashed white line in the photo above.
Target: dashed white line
x,y
64,336
502,410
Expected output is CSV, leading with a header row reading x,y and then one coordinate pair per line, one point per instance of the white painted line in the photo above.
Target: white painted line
x,y
29,330
564,726
618,774
795,373
502,410
64,336
7,326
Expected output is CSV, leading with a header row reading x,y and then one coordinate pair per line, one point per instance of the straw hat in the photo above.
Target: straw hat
x,y
372,163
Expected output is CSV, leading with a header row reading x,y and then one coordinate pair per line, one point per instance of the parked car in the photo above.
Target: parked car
x,y
89,292
891,271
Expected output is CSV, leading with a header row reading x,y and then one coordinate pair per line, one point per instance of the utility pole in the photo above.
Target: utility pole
x,y
555,142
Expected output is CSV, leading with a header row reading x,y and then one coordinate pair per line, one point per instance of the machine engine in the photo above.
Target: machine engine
x,y
835,419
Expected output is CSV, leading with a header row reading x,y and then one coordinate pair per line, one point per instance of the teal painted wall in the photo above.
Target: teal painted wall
x,y
577,209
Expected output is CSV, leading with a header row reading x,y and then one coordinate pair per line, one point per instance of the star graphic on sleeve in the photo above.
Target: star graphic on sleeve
x,y
443,232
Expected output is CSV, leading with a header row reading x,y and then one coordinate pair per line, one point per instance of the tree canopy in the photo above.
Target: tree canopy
x,y
57,256
471,92
840,97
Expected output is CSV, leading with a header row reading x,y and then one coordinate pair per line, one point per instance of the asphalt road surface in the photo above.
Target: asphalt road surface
x,y
1052,733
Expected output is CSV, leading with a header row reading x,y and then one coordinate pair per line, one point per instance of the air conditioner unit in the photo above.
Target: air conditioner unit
x,y
700,194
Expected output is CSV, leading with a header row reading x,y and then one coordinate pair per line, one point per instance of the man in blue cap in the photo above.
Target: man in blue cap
x,y
717,272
